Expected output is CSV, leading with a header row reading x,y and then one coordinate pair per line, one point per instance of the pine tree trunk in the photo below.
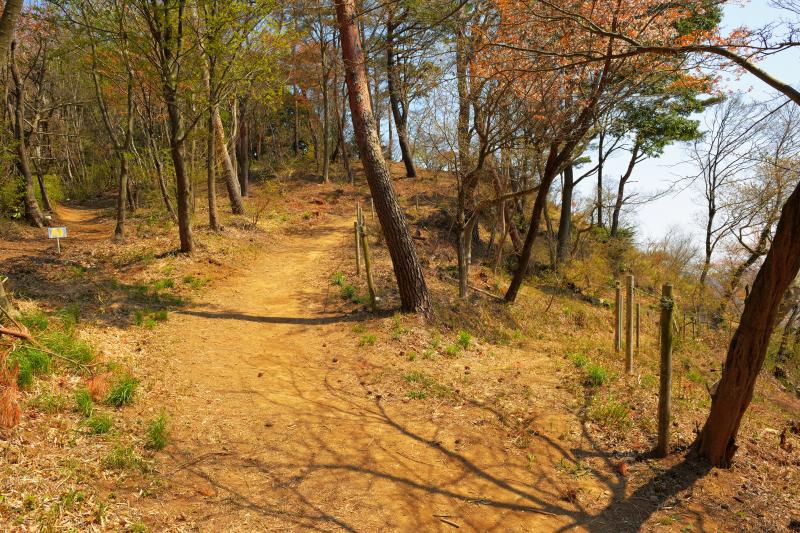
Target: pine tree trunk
x,y
748,348
407,268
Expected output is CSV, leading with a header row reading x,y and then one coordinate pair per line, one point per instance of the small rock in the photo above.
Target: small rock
x,y
335,360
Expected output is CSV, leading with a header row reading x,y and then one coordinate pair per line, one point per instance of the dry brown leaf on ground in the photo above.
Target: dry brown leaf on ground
x,y
98,386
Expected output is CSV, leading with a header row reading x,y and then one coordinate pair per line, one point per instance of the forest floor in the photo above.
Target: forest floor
x,y
291,407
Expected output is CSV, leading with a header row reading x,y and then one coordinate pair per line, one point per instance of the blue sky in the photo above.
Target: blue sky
x,y
657,218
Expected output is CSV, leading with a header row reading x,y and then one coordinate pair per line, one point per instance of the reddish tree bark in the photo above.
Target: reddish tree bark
x,y
748,348
407,268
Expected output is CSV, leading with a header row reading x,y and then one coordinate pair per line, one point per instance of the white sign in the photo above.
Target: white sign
x,y
56,233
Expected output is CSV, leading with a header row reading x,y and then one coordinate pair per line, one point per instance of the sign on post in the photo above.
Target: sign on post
x,y
57,234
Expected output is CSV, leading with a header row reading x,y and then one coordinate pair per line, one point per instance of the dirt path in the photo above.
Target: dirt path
x,y
274,430
84,224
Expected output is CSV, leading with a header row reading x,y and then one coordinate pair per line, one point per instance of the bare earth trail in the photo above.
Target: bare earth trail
x,y
84,224
273,429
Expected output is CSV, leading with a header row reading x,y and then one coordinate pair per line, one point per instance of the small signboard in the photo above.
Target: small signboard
x,y
57,234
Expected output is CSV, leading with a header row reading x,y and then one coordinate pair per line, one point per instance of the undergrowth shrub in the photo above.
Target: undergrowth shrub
x,y
596,375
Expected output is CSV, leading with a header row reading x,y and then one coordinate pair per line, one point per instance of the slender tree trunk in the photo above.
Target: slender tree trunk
x,y
748,348
621,190
231,181
539,205
565,219
213,218
48,207
243,148
787,332
32,212
399,109
326,126
407,267
600,164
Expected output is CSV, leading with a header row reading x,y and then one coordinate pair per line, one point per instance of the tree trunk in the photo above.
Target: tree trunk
x,y
8,20
783,348
32,212
326,122
399,109
621,191
565,219
231,181
407,267
539,205
182,184
243,149
213,218
122,197
748,348
600,164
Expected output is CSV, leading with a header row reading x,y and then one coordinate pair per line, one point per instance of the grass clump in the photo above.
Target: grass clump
x,y
464,339
423,385
612,414
83,403
32,363
195,283
579,360
596,375
122,391
35,321
123,458
157,433
68,346
99,424
338,279
48,402
368,340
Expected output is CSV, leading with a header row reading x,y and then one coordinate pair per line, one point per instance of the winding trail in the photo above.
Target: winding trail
x,y
275,430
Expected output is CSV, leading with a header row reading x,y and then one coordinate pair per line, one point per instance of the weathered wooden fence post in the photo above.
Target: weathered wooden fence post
x,y
665,389
368,268
629,281
638,324
357,230
618,319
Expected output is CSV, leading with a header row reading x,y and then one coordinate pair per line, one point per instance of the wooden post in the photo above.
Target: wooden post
x,y
665,389
357,231
638,324
629,281
368,268
618,320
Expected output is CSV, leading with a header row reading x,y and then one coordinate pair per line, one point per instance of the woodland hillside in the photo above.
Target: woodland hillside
x,y
392,266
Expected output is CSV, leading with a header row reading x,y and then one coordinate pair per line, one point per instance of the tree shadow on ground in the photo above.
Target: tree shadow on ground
x,y
342,444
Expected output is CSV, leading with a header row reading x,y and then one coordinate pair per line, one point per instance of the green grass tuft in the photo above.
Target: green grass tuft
x,y
99,424
596,375
157,433
123,458
579,360
67,345
83,403
36,321
612,414
122,391
464,339
337,279
32,363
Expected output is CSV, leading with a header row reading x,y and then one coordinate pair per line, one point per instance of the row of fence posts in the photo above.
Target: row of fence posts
x,y
362,251
632,328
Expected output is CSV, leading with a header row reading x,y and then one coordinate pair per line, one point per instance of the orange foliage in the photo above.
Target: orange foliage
x,y
98,386
10,411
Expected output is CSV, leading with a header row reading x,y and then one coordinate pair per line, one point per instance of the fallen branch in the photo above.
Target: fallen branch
x,y
14,333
